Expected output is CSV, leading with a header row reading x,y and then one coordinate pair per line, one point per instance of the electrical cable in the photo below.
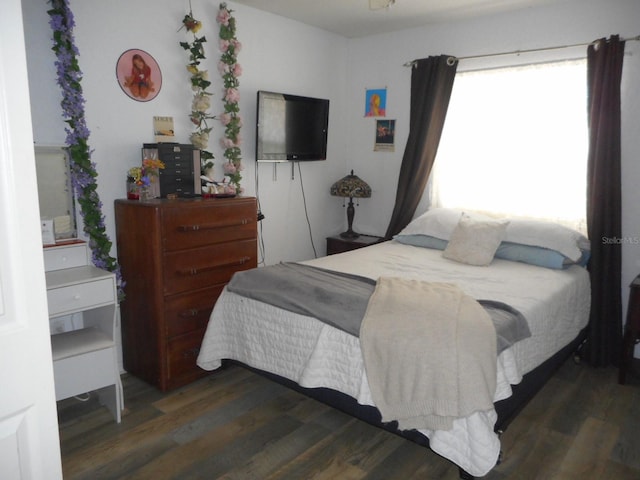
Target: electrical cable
x,y
304,201
261,250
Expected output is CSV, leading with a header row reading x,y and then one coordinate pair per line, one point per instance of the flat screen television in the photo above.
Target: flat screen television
x,y
291,128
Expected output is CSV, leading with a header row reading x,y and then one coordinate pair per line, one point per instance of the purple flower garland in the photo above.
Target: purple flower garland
x,y
83,171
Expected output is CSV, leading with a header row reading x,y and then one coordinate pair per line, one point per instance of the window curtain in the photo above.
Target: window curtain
x,y
604,74
431,86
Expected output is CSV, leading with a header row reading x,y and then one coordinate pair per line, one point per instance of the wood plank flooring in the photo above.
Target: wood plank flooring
x,y
236,425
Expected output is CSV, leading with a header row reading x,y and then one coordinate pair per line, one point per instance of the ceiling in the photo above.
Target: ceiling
x,y
353,18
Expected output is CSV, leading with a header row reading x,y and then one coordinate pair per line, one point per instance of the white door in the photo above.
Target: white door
x,y
29,441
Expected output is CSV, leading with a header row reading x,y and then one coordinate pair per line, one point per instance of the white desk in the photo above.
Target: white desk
x,y
84,359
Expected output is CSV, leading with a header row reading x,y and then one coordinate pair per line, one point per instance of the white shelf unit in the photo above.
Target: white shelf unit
x,y
84,359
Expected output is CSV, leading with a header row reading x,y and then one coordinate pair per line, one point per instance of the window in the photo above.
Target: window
x,y
515,142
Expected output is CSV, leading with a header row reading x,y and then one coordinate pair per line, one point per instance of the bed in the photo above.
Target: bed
x,y
534,268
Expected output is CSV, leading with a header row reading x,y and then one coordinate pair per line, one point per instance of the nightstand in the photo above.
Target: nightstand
x,y
84,359
338,244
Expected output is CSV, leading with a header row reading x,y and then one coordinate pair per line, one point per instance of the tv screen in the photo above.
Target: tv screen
x,y
291,127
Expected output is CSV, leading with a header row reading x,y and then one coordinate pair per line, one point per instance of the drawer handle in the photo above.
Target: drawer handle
x,y
212,226
190,272
192,312
192,352
77,296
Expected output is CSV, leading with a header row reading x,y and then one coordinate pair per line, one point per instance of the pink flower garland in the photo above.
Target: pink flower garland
x,y
230,70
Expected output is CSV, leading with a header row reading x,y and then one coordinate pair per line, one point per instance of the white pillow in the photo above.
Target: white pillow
x,y
437,222
440,223
475,242
539,233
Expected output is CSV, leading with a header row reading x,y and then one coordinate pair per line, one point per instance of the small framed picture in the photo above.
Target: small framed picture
x,y
139,75
375,102
385,134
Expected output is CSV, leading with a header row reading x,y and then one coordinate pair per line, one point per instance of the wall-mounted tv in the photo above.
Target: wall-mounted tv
x,y
291,128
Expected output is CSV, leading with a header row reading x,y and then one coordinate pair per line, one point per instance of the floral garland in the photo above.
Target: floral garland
x,y
201,98
230,70
83,171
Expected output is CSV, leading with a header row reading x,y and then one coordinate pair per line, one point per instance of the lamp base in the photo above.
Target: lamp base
x,y
349,234
351,211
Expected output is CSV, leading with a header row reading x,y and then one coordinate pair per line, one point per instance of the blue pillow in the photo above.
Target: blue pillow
x,y
542,257
425,241
516,252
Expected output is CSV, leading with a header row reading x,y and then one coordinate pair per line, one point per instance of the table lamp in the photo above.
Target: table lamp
x,y
352,187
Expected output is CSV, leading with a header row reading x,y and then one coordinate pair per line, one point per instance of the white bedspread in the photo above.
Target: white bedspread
x,y
314,354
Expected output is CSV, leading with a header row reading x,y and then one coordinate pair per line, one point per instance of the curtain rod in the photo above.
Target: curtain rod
x,y
452,60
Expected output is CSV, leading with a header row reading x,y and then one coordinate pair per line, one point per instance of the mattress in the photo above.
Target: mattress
x,y
314,354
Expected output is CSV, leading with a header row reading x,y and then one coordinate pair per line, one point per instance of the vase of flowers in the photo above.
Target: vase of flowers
x,y
140,180
133,189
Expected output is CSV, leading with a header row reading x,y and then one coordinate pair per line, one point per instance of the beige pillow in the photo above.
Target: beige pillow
x,y
475,242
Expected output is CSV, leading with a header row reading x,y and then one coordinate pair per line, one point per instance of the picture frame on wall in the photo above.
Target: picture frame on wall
x,y
385,136
375,102
139,75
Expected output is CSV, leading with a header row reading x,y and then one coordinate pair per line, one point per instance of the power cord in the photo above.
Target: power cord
x,y
304,200
262,259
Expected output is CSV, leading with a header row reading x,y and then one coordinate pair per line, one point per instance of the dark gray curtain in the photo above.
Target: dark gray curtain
x,y
431,85
604,74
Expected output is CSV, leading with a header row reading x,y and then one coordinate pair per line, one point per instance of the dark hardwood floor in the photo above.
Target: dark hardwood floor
x,y
234,424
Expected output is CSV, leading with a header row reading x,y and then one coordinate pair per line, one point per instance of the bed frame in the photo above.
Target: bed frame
x,y
506,409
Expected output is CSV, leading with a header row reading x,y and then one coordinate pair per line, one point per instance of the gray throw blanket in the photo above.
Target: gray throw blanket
x,y
340,299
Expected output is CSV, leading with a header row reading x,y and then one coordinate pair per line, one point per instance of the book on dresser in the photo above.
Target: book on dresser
x,y
176,256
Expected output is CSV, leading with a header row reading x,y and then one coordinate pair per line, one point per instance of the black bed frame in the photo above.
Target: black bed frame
x,y
506,409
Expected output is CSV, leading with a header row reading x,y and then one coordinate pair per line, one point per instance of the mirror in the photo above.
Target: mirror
x,y
55,193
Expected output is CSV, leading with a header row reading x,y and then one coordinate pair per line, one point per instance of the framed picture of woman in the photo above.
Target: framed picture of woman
x,y
139,75
375,102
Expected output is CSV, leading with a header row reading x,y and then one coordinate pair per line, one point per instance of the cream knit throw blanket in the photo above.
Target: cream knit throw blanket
x,y
429,353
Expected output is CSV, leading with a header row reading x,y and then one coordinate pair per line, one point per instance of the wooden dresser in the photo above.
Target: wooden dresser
x,y
176,257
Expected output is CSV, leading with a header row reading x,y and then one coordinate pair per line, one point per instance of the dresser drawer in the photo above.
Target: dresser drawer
x,y
201,267
170,154
182,354
79,297
68,256
202,226
182,186
190,311
185,163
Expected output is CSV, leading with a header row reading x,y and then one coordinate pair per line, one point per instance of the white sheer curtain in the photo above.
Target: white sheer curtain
x,y
515,143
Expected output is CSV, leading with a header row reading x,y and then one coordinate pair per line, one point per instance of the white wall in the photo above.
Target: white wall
x,y
278,54
284,55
